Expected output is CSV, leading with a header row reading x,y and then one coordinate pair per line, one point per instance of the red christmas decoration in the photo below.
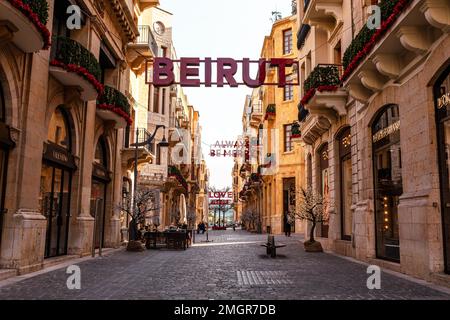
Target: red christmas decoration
x,y
311,92
34,18
116,110
82,72
385,25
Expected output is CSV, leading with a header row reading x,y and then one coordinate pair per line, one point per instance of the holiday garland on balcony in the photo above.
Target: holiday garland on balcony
x,y
270,111
113,100
322,78
74,57
175,172
366,39
37,12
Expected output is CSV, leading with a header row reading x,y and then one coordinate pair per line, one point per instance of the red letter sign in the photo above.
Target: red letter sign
x,y
163,72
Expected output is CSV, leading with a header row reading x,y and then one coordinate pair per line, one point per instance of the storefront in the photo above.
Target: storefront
x,y
5,145
56,182
100,182
345,173
387,168
442,105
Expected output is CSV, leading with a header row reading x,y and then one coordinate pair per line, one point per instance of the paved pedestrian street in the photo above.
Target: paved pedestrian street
x,y
233,266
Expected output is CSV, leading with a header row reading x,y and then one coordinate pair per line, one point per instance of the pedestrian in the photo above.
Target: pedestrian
x,y
234,226
287,229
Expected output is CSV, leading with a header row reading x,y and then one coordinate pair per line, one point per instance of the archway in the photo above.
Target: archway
x,y
58,165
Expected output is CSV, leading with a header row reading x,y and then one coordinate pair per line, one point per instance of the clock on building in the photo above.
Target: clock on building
x,y
159,28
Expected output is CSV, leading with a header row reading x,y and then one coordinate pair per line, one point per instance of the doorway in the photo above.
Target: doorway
x,y
442,110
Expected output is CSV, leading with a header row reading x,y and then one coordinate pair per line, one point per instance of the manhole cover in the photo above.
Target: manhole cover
x,y
255,278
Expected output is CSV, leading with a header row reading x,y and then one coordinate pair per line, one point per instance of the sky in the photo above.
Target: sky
x,y
217,28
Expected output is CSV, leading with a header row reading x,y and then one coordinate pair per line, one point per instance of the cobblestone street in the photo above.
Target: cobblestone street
x,y
233,266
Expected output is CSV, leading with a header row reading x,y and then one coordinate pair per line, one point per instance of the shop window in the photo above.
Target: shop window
x,y
345,167
387,181
324,183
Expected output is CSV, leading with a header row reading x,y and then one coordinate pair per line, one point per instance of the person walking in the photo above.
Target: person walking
x,y
287,229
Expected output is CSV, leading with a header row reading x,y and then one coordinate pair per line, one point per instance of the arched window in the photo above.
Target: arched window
x,y
59,129
100,153
387,167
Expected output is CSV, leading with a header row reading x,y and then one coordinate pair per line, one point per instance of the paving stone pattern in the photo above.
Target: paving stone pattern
x,y
233,266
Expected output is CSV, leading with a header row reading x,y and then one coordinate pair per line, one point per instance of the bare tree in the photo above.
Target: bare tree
x,y
249,218
312,208
191,216
144,202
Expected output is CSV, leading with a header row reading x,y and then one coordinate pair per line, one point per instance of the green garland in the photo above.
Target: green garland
x,y
40,7
365,34
322,75
271,108
112,96
69,52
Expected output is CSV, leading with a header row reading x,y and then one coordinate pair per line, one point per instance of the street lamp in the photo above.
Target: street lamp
x,y
163,144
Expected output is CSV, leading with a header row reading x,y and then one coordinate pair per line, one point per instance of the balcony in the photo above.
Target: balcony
x,y
377,58
145,154
75,66
257,113
323,14
323,94
302,34
112,105
271,112
313,127
144,47
296,134
24,24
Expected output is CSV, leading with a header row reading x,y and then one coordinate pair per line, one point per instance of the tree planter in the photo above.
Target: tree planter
x,y
135,246
314,246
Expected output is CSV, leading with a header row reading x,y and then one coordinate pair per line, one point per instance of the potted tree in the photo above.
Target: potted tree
x,y
312,208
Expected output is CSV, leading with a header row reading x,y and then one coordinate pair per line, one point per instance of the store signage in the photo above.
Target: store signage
x,y
443,101
160,72
220,202
220,195
57,154
383,133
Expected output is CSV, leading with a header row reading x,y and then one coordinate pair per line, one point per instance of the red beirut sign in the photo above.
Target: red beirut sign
x,y
160,72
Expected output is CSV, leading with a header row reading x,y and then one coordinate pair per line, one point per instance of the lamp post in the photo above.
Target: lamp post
x,y
136,146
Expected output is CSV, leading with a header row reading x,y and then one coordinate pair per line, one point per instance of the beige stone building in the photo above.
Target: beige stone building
x,y
64,110
268,176
373,118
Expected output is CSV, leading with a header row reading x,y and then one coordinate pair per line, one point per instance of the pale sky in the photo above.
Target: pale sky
x,y
217,28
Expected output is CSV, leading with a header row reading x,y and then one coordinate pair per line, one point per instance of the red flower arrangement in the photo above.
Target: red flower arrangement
x,y
311,92
385,25
34,18
269,114
116,110
82,72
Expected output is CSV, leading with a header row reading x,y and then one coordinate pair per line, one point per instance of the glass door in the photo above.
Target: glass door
x,y
55,205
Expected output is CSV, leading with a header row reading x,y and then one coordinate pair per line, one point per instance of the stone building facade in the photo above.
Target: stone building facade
x,y
373,116
269,175
64,111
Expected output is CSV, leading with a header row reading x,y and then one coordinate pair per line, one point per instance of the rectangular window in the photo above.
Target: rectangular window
x,y
287,38
288,92
155,100
287,138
